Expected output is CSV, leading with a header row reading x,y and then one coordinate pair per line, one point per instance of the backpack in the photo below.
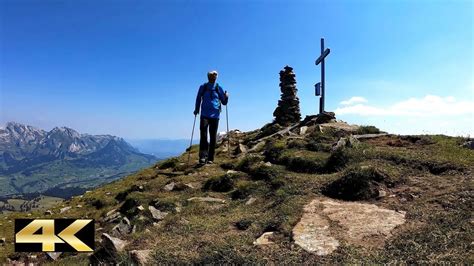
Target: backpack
x,y
206,88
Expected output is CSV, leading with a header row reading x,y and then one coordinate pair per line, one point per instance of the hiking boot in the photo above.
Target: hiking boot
x,y
209,162
202,161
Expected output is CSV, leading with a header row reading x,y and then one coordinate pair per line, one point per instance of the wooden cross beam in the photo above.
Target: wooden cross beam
x,y
320,59
322,56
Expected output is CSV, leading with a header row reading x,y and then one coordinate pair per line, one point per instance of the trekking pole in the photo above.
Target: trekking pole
x,y
191,141
227,120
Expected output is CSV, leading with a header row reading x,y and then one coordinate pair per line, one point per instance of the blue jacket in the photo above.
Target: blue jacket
x,y
211,99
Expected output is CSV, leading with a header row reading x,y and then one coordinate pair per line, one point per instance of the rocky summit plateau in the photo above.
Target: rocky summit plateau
x,y
316,191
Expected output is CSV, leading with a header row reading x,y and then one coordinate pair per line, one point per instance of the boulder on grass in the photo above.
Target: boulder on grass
x,y
113,244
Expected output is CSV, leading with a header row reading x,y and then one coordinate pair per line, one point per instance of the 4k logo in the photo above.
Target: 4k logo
x,y
60,235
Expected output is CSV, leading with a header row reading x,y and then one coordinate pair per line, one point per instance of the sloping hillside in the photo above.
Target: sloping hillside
x,y
34,161
318,191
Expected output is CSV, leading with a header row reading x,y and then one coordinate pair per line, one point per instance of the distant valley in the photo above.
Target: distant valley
x,y
62,162
161,148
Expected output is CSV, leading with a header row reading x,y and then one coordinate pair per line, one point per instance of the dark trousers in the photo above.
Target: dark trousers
x,y
206,149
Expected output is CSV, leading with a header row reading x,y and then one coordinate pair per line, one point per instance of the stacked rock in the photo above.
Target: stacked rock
x,y
288,109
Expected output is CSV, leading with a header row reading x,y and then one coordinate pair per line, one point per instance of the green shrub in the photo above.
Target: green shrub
x,y
98,204
273,151
122,195
357,184
337,160
304,165
163,205
246,163
277,183
243,224
367,130
219,184
329,135
180,167
296,143
432,166
420,140
318,146
273,224
264,172
130,207
227,166
242,191
168,163
268,129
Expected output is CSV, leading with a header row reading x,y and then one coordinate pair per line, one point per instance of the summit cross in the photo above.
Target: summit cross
x,y
321,85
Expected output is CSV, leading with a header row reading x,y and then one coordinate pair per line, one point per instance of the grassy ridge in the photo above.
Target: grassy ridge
x,y
426,176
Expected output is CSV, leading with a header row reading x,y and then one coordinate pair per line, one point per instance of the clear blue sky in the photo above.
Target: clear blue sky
x,y
132,68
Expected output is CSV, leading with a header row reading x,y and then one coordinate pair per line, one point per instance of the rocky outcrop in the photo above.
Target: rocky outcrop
x,y
324,117
468,144
123,228
112,216
113,244
303,130
344,142
240,149
157,214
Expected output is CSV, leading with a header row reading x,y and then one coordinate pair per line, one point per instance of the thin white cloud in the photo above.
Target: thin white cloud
x,y
430,105
355,99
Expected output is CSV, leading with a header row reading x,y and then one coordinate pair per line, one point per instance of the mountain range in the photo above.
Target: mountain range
x,y
35,160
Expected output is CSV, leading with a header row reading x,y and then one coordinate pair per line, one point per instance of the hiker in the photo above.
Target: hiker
x,y
209,99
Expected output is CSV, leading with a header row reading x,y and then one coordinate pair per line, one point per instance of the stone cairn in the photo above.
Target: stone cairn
x,y
288,109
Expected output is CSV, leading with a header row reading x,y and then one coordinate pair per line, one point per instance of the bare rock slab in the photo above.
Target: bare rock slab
x,y
368,223
312,232
359,224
